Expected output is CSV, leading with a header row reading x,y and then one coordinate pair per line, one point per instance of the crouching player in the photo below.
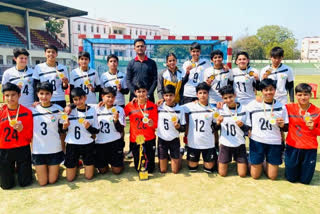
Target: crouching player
x,y
16,129
200,128
266,119
304,127
232,137
170,122
47,151
81,126
109,142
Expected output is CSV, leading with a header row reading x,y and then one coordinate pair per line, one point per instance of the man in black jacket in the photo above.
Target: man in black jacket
x,y
142,69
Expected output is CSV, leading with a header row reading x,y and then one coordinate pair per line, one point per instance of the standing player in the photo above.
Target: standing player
x,y
171,76
217,77
267,120
232,135
21,75
282,74
16,128
200,127
109,141
53,72
304,127
85,78
245,79
143,116
171,121
47,151
116,79
193,73
81,125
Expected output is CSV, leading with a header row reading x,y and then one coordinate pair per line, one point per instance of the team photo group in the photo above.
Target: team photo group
x,y
204,109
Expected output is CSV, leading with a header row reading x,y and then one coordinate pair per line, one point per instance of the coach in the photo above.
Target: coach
x,y
142,69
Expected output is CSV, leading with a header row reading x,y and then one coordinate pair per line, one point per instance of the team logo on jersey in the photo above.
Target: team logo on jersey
x,y
52,118
29,81
283,76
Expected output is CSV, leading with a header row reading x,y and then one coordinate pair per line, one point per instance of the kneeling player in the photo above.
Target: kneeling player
x,y
109,143
200,128
266,119
47,151
304,127
82,125
170,122
232,137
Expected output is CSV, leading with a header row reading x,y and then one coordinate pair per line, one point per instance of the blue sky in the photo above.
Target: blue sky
x,y
209,17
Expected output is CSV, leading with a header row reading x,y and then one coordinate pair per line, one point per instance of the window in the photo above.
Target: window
x,y
140,32
105,52
115,31
63,35
92,29
109,30
98,52
136,32
79,27
1,60
97,29
130,31
120,31
104,30
84,28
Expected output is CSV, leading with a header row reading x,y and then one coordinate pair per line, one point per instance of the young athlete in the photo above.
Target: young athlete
x,y
171,121
217,76
245,79
143,116
53,72
232,135
47,151
16,128
85,78
301,149
200,126
266,120
282,74
109,141
171,76
193,73
21,75
116,79
81,125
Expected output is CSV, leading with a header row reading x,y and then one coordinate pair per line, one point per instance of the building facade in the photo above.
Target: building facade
x,y
310,48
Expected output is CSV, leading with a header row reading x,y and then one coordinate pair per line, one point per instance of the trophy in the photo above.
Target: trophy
x,y
142,166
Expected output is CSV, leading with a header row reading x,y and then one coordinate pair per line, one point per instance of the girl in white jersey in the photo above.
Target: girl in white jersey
x,y
47,151
245,79
21,75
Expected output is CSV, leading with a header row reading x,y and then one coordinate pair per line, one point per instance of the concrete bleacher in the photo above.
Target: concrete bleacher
x,y
9,37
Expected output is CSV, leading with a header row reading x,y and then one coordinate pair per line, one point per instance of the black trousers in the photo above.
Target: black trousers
x,y
9,158
149,148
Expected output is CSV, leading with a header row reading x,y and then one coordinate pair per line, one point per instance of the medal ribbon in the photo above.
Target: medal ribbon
x,y
16,117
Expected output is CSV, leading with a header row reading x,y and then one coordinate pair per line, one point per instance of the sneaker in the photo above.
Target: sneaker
x,y
129,155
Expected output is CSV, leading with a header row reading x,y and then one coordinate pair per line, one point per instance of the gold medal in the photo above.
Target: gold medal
x,y
251,73
272,121
61,75
212,77
140,139
13,123
235,118
64,116
117,81
20,84
216,115
193,65
307,117
86,82
268,72
81,120
145,119
174,119
113,110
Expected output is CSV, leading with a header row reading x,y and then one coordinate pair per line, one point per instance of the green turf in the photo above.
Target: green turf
x,y
168,193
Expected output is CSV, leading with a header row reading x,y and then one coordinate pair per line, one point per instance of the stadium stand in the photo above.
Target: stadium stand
x,y
9,37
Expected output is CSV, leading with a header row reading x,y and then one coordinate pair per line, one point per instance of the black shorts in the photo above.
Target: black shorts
x,y
188,99
74,151
48,159
208,155
258,152
9,158
172,146
109,153
226,153
149,148
61,103
300,164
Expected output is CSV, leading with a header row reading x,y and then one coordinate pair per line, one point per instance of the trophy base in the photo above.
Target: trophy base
x,y
143,175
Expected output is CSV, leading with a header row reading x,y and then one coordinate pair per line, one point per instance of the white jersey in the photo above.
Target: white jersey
x,y
46,138
23,79
78,79
108,132
45,73
243,84
263,130
77,134
282,75
166,129
195,76
200,134
107,79
221,78
231,134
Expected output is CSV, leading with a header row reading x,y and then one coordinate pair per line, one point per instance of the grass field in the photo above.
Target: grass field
x,y
168,193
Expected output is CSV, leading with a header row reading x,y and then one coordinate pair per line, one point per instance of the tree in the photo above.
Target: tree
x,y
54,26
250,44
161,51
